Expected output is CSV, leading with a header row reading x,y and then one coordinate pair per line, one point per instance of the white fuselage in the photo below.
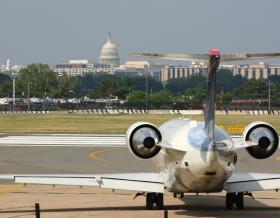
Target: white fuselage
x,y
202,166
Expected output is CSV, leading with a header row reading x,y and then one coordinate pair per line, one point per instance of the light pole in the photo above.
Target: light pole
x,y
28,96
14,75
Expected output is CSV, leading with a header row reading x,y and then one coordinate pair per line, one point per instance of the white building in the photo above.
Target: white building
x,y
256,71
140,68
175,72
81,68
109,54
8,67
79,62
250,71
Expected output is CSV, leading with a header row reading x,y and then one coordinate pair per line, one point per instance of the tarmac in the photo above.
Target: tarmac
x,y
21,156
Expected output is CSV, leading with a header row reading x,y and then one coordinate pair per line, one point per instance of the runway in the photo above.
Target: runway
x,y
106,154
76,153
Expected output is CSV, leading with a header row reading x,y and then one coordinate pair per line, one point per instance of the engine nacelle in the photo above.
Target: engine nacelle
x,y
142,139
264,138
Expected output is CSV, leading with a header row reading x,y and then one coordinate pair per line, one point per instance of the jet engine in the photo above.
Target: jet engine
x,y
262,139
142,139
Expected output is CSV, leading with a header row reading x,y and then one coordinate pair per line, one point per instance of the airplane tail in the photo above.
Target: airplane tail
x,y
213,66
214,59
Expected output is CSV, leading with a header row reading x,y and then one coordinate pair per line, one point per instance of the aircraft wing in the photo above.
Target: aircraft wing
x,y
248,182
140,182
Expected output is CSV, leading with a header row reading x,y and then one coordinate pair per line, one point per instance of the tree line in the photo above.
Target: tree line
x,y
137,90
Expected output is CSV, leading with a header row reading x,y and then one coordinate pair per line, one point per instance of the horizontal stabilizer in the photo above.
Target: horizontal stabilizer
x,y
246,57
205,57
175,57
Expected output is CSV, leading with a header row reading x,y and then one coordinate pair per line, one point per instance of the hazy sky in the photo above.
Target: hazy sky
x,y
54,31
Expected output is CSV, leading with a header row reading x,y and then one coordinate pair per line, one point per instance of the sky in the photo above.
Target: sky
x,y
54,31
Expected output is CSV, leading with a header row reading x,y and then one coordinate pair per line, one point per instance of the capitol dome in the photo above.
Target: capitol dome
x,y
109,54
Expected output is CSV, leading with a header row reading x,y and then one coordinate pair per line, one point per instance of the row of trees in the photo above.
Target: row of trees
x,y
42,81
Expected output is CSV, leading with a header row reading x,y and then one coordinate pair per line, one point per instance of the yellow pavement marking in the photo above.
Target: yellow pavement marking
x,y
10,188
95,155
278,158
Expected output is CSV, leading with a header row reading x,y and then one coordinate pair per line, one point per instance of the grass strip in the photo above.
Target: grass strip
x,y
64,123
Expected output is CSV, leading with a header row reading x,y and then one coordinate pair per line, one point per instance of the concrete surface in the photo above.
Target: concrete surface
x,y
62,201
68,201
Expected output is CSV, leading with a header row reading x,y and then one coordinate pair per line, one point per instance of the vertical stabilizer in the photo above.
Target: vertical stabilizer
x,y
214,61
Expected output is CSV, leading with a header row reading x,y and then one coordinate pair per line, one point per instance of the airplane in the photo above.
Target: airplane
x,y
189,156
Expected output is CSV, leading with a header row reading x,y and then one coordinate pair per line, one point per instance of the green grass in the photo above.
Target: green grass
x,y
109,123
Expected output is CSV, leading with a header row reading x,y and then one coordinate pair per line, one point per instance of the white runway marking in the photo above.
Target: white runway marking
x,y
71,140
64,140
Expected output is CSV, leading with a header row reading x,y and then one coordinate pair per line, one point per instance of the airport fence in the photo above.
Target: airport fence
x,y
134,106
130,111
117,108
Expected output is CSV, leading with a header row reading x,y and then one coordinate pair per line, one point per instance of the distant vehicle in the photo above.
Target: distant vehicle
x,y
113,99
74,101
190,156
100,100
90,101
35,100
60,101
5,101
19,102
47,100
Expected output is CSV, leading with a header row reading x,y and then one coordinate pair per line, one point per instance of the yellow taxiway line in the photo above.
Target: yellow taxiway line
x,y
10,188
95,155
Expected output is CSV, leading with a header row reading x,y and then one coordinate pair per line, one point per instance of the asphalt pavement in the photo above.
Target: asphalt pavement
x,y
107,154
91,154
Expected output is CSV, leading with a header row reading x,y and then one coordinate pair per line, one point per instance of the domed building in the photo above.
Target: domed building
x,y
109,54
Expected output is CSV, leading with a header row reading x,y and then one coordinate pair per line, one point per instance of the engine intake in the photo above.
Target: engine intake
x,y
263,138
142,139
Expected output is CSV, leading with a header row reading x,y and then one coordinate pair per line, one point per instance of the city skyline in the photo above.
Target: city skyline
x,y
56,31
